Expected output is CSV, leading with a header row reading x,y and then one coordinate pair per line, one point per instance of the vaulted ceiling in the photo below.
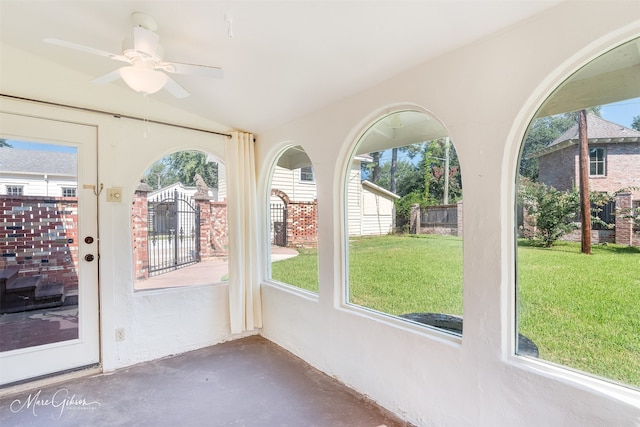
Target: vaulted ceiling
x,y
285,59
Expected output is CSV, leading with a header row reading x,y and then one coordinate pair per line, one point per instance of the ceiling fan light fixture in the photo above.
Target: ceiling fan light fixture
x,y
142,78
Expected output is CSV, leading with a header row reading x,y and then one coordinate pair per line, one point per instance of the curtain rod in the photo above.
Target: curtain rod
x,y
116,115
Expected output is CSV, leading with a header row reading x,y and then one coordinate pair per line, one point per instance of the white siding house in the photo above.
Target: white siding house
x,y
370,207
298,184
377,210
37,173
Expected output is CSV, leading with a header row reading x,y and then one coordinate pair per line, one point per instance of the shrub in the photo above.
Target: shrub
x,y
552,213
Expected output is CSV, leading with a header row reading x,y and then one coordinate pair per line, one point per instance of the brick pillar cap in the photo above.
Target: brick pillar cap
x,y
143,187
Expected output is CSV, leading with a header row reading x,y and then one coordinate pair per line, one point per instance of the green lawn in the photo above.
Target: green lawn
x,y
582,311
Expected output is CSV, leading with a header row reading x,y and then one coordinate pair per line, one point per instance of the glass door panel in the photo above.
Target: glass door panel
x,y
48,247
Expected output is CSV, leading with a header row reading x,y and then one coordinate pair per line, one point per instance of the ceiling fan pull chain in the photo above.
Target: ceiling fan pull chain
x,y
228,17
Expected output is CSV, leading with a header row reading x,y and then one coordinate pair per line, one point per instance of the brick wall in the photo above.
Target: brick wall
x,y
302,224
40,235
626,233
214,237
139,235
560,169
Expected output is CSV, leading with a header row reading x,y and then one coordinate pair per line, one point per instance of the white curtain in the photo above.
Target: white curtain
x,y
245,307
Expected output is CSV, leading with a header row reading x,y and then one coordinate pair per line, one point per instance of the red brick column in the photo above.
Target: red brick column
x,y
140,232
302,224
219,237
624,224
206,248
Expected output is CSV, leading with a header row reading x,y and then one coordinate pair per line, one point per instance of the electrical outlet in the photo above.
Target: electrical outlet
x,y
120,334
114,194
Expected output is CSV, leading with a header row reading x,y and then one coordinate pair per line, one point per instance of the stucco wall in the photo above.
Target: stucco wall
x,y
485,95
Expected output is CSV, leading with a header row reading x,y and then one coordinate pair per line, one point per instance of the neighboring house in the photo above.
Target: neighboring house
x,y
377,210
298,184
614,158
37,173
614,164
371,208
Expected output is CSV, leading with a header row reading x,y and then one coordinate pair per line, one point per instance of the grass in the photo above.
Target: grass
x,y
582,311
300,271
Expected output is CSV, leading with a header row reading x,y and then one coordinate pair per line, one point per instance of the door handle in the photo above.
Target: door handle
x,y
89,257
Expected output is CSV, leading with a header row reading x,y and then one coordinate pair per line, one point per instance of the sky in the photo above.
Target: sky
x,y
41,147
623,112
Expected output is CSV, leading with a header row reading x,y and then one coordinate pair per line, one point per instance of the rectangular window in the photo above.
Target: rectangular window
x,y
15,190
306,174
597,162
68,191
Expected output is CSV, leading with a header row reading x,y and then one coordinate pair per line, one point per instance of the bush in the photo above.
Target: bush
x,y
403,210
552,213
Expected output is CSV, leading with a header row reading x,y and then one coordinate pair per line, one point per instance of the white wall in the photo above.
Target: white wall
x,y
377,212
485,95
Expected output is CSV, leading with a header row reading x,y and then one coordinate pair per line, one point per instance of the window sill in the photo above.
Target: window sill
x,y
566,375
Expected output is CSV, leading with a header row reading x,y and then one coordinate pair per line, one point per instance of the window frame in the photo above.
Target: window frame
x,y
11,190
72,189
595,161
301,174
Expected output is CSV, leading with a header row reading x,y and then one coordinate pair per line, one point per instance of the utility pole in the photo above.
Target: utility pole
x,y
585,203
446,171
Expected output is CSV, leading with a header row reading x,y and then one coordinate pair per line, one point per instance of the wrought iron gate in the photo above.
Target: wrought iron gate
x,y
174,232
279,224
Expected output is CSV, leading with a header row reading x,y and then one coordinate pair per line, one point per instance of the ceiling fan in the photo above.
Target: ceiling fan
x,y
147,71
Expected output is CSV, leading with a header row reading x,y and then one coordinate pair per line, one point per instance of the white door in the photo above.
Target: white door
x,y
49,247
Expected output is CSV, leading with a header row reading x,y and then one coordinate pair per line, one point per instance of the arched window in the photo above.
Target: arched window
x,y
179,222
404,210
578,241
293,235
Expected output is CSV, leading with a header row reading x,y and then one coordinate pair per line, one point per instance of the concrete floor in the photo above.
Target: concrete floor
x,y
247,382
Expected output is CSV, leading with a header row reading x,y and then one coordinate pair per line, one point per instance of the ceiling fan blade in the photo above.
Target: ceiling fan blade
x,y
145,41
86,49
175,89
107,78
191,69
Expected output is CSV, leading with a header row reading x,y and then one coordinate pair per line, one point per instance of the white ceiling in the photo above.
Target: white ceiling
x,y
286,58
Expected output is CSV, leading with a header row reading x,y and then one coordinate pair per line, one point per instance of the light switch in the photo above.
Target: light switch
x,y
114,194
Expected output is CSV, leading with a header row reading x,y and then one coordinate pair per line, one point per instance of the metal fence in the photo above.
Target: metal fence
x,y
278,224
174,232
439,216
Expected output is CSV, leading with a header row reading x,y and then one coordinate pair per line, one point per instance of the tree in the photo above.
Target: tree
x,y
4,143
159,175
186,164
552,213
371,171
182,167
407,177
432,167
542,132
635,124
